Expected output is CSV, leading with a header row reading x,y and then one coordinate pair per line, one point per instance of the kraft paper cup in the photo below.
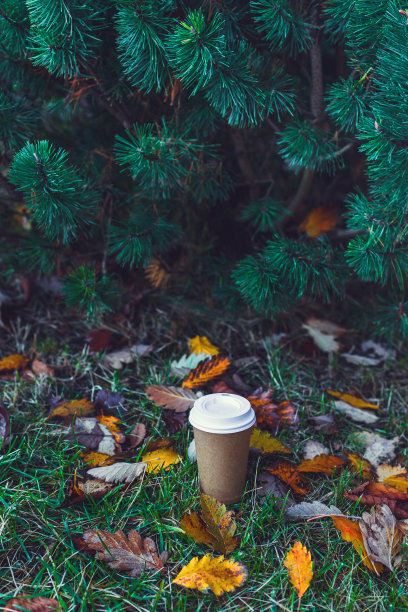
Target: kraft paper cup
x,y
222,425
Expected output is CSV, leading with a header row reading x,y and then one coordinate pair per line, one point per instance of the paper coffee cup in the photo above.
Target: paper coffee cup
x,y
222,425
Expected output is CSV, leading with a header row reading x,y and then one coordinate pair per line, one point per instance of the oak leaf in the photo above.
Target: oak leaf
x,y
207,370
373,493
382,538
172,398
265,443
118,472
325,464
94,459
220,524
298,562
13,362
351,532
352,400
201,344
81,407
34,604
131,554
361,466
215,573
289,474
194,526
162,458
319,221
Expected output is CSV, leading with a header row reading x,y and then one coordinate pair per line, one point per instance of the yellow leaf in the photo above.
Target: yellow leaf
x,y
219,574
81,407
201,344
319,221
394,476
361,466
193,525
207,370
220,523
351,532
266,443
299,563
162,458
13,362
94,459
357,402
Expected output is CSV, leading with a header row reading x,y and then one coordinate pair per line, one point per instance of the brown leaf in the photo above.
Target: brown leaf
x,y
158,443
351,532
215,573
82,489
298,561
394,476
319,221
137,435
273,488
131,554
99,340
174,421
373,493
289,474
172,398
13,362
325,423
39,367
382,538
35,604
222,387
325,464
207,370
220,524
4,424
195,527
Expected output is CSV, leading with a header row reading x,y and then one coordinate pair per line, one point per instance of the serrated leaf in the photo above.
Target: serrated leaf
x,y
306,510
118,472
220,524
13,362
206,371
186,363
351,532
325,464
299,564
201,344
162,458
195,527
382,538
81,407
264,442
215,573
172,398
373,493
357,402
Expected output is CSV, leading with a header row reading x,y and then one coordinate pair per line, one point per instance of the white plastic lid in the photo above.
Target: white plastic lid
x,y
222,413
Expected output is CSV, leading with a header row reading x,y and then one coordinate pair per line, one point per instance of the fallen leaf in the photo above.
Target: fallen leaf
x,y
39,368
201,344
118,472
4,424
174,421
107,401
268,413
382,538
113,425
355,414
99,340
289,474
158,273
265,443
357,402
272,487
131,554
394,476
153,445
13,362
187,363
324,334
325,423
93,435
361,466
325,464
239,386
220,524
351,532
373,493
215,573
94,459
172,398
312,449
374,349
319,221
206,371
81,407
222,387
191,451
81,489
194,526
298,562
118,359
306,510
377,448
159,459
137,435
34,604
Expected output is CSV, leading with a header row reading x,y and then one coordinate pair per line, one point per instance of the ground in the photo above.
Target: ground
x,y
38,556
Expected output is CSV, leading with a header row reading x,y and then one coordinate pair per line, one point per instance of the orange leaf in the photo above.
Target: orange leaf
x,y
361,466
162,458
351,532
112,423
215,573
300,567
78,407
325,464
319,221
205,371
268,413
352,400
13,362
289,474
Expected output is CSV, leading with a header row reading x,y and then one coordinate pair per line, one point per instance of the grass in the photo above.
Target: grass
x,y
37,555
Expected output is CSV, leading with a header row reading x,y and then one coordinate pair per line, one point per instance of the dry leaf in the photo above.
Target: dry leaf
x,y
360,359
352,400
306,510
324,334
289,474
113,425
137,435
186,363
94,459
118,359
382,538
191,451
93,435
394,476
201,344
4,424
268,413
312,449
361,466
265,443
272,487
374,493
34,604
220,524
351,532
107,401
66,410
206,371
298,562
325,464
13,362
174,421
377,448
172,398
119,472
40,368
162,458
158,273
319,221
215,573
131,554
325,423
82,489
194,526
355,414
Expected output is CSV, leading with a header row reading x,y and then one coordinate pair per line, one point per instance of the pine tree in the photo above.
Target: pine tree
x,y
192,139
